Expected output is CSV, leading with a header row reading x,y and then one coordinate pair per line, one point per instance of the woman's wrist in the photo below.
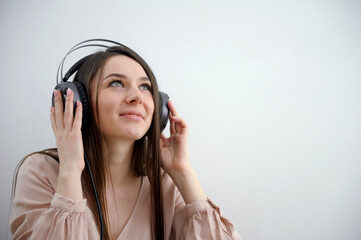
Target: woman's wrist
x,y
69,184
70,170
188,184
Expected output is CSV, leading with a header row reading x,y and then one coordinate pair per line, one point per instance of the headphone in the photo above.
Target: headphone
x,y
79,90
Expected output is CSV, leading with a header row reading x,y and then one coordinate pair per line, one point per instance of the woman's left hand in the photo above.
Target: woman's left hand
x,y
175,161
174,155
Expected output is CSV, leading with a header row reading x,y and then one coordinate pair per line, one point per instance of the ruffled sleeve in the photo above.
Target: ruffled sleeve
x,y
202,219
40,213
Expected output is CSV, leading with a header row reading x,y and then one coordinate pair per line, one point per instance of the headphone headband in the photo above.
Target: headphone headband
x,y
83,44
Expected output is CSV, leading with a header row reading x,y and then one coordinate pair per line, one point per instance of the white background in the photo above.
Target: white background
x,y
271,91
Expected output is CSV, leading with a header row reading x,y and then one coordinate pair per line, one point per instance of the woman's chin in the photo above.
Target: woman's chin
x,y
132,135
126,134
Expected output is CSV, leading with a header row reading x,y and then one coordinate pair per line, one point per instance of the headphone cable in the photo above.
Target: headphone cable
x,y
96,196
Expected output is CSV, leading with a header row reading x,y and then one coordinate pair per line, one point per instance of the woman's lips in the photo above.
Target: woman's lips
x,y
133,115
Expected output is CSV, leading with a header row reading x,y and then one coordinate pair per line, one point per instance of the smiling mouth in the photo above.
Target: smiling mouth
x,y
131,116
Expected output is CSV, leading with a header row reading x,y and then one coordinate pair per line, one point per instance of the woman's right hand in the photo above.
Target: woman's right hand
x,y
67,131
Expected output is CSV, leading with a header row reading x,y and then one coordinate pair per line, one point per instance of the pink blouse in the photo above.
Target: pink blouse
x,y
41,213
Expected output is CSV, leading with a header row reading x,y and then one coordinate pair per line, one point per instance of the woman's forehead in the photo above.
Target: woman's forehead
x,y
124,65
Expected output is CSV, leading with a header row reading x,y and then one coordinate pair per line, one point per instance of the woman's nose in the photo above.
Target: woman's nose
x,y
134,95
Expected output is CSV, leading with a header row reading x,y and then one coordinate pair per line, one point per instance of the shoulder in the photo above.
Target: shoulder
x,y
39,161
38,167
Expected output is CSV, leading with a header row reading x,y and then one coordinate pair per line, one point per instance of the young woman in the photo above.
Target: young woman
x,y
146,185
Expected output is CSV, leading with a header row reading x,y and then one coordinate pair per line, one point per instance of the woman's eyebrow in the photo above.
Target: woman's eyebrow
x,y
119,75
145,79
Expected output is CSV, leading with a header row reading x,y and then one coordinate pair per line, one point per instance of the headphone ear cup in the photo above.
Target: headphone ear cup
x,y
163,110
79,93
83,97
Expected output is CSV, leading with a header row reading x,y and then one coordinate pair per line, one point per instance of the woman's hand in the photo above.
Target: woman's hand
x,y
175,161
174,150
67,131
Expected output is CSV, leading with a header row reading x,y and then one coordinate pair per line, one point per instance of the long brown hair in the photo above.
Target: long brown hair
x,y
145,157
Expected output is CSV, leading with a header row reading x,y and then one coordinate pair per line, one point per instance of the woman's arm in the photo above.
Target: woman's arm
x,y
200,218
175,159
49,201
67,131
54,211
40,213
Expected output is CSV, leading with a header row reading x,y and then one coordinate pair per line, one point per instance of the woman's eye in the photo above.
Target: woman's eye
x,y
116,83
145,87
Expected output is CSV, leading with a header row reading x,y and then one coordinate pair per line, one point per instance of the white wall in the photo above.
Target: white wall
x,y
271,91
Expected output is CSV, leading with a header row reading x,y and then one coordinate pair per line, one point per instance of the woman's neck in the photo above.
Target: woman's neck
x,y
120,157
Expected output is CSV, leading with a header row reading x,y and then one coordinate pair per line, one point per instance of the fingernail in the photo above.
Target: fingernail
x,y
68,92
56,93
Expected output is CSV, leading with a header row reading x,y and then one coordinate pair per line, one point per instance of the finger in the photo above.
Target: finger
x,y
171,125
175,122
78,116
180,125
58,101
52,120
172,108
161,141
68,111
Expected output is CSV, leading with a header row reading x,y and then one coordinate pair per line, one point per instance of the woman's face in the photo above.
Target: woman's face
x,y
125,101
